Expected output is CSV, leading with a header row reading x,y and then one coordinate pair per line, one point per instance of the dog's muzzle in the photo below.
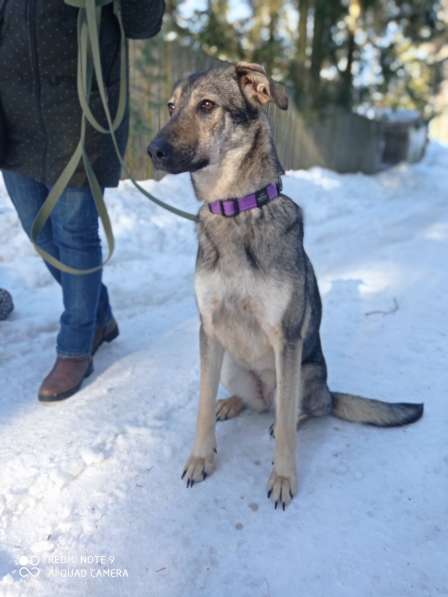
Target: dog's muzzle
x,y
161,153
165,157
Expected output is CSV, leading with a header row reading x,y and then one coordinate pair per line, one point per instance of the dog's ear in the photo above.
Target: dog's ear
x,y
258,88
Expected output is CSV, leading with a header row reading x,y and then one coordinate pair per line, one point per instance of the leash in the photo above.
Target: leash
x,y
89,65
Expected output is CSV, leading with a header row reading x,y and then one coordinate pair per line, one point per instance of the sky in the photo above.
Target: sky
x,y
238,10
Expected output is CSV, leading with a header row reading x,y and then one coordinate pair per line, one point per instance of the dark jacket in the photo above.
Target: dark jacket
x,y
38,95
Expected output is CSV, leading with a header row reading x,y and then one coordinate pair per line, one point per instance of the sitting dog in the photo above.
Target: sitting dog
x,y
256,291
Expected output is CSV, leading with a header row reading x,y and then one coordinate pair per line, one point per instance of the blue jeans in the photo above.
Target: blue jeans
x,y
70,235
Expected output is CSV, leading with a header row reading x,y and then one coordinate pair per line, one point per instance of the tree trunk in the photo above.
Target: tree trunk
x,y
318,47
303,6
347,75
352,21
270,56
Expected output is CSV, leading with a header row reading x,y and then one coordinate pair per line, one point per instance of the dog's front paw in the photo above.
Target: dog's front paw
x,y
281,488
198,469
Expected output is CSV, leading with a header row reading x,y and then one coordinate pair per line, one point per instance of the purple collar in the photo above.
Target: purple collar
x,y
232,207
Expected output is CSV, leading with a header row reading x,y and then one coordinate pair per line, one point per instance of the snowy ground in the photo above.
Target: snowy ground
x,y
98,475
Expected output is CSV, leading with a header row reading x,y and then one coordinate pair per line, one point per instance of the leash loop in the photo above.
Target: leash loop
x,y
89,65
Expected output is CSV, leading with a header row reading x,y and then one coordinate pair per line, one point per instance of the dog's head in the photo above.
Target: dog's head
x,y
210,113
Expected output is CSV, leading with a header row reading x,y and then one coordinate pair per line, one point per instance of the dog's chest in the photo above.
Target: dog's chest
x,y
242,309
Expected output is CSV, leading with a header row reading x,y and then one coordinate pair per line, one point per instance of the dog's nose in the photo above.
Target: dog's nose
x,y
159,150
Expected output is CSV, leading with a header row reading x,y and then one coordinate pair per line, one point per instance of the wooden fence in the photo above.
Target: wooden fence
x,y
332,138
155,67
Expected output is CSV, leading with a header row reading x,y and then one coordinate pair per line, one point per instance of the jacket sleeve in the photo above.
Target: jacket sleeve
x,y
142,18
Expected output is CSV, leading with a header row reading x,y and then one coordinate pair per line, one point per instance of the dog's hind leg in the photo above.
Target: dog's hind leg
x,y
202,459
244,387
282,483
229,408
316,401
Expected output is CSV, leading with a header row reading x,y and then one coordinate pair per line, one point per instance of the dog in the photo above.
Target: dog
x,y
256,291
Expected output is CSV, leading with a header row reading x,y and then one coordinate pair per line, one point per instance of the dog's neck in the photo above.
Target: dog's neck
x,y
250,166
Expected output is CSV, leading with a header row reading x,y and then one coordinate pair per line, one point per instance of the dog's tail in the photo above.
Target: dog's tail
x,y
374,412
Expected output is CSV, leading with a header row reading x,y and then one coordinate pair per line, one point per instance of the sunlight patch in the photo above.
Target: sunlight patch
x,y
437,231
369,280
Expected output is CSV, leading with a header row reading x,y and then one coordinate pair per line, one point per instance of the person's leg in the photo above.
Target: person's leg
x,y
104,312
27,196
75,232
71,236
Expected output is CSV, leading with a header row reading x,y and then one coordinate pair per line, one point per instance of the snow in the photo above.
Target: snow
x,y
91,501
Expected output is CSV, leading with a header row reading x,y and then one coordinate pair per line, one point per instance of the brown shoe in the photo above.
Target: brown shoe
x,y
65,378
105,333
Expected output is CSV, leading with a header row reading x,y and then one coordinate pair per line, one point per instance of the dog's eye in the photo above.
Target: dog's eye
x,y
171,107
206,105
